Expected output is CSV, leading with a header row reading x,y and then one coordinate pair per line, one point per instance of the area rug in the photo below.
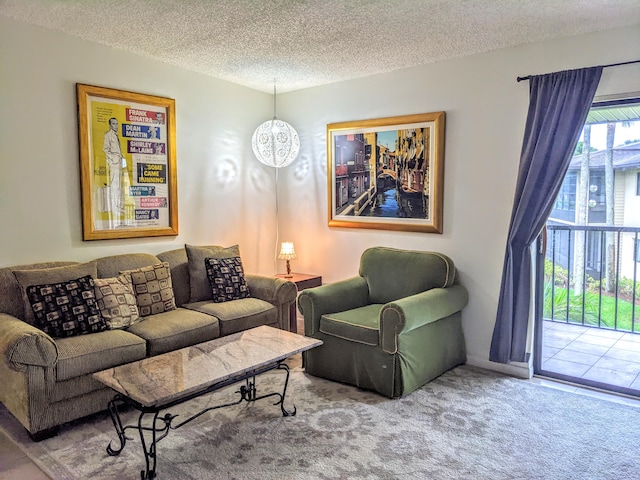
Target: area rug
x,y
467,424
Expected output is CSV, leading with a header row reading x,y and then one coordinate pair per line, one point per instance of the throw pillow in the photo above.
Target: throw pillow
x,y
49,276
152,288
226,278
198,282
116,301
66,309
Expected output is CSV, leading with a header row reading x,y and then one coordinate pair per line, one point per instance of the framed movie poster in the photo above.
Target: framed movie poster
x,y
387,173
127,164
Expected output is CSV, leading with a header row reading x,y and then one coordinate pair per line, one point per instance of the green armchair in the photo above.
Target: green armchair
x,y
391,329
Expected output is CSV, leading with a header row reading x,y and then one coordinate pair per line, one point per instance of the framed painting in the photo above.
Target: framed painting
x,y
387,173
127,164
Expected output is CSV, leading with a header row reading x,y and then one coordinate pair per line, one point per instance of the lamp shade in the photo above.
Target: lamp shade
x,y
287,252
275,143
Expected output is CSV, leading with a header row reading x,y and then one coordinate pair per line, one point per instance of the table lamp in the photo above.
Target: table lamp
x,y
287,252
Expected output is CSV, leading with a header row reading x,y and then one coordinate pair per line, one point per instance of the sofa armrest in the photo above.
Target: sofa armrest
x,y
22,344
411,312
277,291
271,289
331,298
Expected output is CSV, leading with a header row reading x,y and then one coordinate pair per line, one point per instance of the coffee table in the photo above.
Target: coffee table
x,y
157,383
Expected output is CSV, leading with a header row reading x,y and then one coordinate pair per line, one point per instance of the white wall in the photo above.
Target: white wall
x,y
226,196
485,116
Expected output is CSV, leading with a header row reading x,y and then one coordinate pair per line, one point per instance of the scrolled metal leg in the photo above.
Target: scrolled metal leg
x,y
281,396
117,424
285,412
150,454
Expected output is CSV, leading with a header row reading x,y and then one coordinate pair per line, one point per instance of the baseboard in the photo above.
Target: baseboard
x,y
516,369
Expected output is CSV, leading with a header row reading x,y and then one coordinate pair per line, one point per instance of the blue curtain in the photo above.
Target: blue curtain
x,y
558,107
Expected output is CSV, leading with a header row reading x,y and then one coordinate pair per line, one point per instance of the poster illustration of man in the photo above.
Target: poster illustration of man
x,y
115,163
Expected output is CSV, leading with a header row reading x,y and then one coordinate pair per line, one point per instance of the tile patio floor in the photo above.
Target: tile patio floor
x,y
594,354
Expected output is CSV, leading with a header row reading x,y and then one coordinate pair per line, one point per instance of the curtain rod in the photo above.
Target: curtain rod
x,y
519,79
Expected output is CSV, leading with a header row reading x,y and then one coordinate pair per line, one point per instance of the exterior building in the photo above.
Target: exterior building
x,y
626,166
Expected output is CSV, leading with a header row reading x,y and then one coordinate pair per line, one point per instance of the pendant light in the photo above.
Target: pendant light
x,y
275,143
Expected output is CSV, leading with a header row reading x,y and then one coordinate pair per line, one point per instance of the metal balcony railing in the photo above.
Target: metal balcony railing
x,y
591,276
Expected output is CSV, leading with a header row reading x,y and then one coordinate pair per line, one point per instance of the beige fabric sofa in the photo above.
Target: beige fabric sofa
x,y
45,382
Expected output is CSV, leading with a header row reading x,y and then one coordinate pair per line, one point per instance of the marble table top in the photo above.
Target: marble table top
x,y
158,380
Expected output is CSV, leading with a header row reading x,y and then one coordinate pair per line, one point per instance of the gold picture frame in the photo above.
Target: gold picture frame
x,y
372,184
127,164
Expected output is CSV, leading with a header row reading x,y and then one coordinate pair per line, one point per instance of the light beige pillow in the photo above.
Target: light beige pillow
x,y
43,276
116,301
198,280
152,288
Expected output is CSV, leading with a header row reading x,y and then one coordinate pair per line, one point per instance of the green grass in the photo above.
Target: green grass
x,y
595,313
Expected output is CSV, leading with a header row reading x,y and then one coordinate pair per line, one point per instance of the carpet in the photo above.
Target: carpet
x,y
467,424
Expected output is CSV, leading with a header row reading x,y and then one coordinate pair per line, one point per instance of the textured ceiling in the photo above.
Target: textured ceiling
x,y
305,43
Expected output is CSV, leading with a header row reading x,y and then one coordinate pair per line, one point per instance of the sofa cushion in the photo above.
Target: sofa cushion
x,y
66,309
238,315
178,328
26,278
179,266
111,266
226,278
116,301
153,289
361,325
199,284
91,353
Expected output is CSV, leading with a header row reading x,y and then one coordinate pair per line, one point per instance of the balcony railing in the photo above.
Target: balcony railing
x,y
591,276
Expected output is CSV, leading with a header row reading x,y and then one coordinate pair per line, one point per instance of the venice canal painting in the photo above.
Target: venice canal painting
x,y
387,176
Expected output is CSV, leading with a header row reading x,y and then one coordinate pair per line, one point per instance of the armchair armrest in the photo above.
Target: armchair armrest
x,y
411,312
331,298
22,344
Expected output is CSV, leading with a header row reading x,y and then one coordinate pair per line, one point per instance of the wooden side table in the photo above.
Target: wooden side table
x,y
302,281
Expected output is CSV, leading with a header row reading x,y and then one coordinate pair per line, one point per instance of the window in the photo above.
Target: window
x,y
567,197
638,183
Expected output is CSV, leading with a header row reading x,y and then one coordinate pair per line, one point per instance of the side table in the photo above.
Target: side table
x,y
302,281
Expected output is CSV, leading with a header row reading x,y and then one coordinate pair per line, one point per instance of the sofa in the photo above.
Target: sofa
x,y
46,375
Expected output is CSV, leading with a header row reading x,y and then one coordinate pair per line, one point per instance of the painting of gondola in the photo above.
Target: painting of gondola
x,y
387,173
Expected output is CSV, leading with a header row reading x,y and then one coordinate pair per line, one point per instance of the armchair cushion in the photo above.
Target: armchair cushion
x,y
392,274
357,325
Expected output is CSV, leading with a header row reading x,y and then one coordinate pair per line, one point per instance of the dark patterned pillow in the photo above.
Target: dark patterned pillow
x,y
66,309
226,278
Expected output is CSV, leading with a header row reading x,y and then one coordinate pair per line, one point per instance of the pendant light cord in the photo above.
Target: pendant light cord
x,y
275,257
274,99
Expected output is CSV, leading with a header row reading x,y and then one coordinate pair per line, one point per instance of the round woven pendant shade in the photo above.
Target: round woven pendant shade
x,y
275,143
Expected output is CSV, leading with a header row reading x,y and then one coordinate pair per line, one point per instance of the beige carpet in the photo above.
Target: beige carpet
x,y
467,424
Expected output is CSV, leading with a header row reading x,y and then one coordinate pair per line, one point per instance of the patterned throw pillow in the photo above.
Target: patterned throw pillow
x,y
66,309
226,278
153,289
116,301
